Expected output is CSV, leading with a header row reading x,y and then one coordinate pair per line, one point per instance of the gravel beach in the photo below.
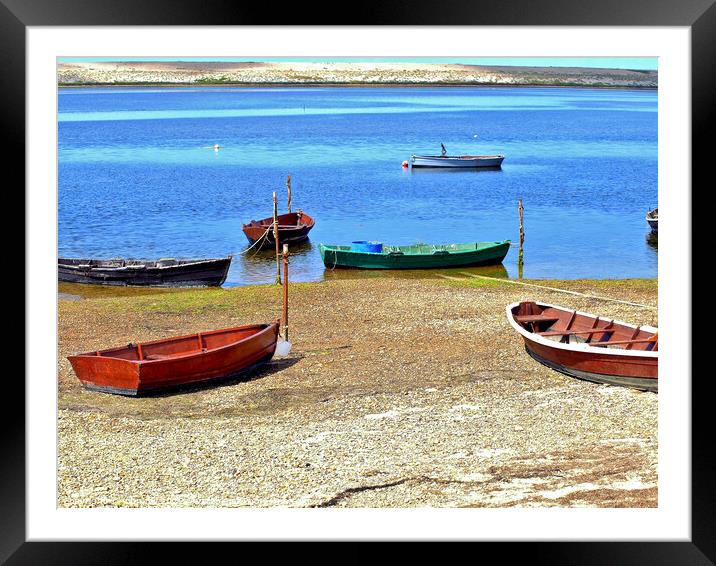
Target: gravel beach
x,y
399,392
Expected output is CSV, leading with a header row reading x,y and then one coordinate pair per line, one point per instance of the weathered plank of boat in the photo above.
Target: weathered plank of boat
x,y
293,228
160,273
652,217
421,256
588,347
174,362
464,161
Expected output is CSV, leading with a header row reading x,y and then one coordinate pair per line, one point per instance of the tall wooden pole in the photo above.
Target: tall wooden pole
x,y
275,237
288,185
285,292
520,259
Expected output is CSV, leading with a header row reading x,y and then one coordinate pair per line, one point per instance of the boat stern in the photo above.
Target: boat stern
x,y
109,375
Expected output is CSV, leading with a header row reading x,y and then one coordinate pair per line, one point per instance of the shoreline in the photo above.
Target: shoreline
x,y
76,291
344,85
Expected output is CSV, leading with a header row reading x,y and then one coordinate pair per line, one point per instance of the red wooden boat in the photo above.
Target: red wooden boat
x,y
587,347
293,228
172,362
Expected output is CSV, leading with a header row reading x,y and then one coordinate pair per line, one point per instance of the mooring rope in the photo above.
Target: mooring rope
x,y
335,260
257,241
554,289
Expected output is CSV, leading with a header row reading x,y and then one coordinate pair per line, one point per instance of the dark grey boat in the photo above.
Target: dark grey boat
x,y
652,217
160,273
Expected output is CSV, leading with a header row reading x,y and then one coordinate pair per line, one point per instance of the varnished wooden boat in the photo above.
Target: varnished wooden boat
x,y
149,273
420,256
652,217
293,228
587,347
173,362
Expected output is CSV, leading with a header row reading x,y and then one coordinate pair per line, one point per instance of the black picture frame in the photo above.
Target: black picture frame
x,y
699,15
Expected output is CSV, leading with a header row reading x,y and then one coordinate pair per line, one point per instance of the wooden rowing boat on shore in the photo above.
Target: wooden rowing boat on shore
x,y
587,347
161,273
173,362
652,217
420,256
293,228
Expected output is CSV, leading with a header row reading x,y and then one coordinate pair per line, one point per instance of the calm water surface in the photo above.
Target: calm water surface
x,y
138,176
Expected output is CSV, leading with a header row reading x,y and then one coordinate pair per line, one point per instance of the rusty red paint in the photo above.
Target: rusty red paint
x,y
588,347
177,361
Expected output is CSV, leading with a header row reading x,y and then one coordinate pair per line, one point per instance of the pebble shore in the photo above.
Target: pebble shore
x,y
399,392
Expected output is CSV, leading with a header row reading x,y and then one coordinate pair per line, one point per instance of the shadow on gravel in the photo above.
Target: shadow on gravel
x,y
245,376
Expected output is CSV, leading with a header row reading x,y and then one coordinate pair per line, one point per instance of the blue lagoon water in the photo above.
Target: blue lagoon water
x,y
138,176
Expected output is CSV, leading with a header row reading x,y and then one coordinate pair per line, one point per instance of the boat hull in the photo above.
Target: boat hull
x,y
292,229
342,257
600,369
122,371
468,161
652,218
636,368
200,273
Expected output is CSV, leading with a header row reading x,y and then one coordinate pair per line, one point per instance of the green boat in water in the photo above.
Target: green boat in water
x,y
419,256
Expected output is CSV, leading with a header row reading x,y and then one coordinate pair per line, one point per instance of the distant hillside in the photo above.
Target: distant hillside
x,y
196,73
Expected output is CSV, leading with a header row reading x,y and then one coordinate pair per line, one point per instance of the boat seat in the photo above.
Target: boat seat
x,y
152,357
625,342
158,356
525,318
573,332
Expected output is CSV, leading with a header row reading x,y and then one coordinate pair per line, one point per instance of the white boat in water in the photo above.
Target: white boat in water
x,y
457,161
445,160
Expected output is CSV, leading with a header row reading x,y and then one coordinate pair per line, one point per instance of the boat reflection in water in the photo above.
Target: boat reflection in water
x,y
259,265
652,240
442,171
497,271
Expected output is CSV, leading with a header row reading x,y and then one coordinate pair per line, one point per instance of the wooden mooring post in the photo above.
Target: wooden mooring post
x,y
520,258
275,237
288,186
285,292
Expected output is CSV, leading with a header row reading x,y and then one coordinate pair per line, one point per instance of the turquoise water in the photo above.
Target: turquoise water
x,y
138,176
